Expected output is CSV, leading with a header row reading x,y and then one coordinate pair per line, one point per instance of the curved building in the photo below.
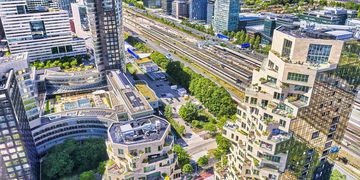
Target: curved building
x,y
141,149
58,82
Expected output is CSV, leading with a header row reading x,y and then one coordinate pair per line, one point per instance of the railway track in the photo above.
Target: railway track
x,y
210,58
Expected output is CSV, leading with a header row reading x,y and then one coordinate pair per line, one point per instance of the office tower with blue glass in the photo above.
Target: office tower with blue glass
x,y
197,10
226,15
210,11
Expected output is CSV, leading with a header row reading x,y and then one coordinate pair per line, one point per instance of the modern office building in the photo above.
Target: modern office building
x,y
197,10
152,3
226,15
141,149
180,9
43,35
210,11
18,157
105,21
335,16
294,113
166,5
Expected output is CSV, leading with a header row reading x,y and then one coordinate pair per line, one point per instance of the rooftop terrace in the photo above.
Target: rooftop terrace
x,y
97,99
307,33
142,130
132,98
146,91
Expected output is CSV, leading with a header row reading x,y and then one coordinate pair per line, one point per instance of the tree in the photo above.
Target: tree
x,y
358,14
187,169
203,161
73,156
168,111
257,42
101,168
188,112
252,42
223,145
336,175
73,62
87,175
57,165
210,127
183,156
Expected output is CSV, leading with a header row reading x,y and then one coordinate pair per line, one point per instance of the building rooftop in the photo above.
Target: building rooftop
x,y
135,102
307,33
146,91
148,129
98,99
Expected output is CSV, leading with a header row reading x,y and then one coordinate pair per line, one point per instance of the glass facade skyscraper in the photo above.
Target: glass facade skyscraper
x,y
226,15
105,18
198,10
18,157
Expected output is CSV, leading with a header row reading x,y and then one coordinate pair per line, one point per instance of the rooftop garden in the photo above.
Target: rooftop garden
x,y
146,91
60,103
66,63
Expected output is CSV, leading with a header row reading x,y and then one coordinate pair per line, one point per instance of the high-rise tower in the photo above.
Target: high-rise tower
x,y
294,112
226,15
105,19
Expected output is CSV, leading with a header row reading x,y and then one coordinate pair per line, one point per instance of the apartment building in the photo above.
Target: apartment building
x,y
105,22
294,112
141,149
42,34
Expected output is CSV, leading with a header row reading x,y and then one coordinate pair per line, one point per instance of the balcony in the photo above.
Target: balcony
x,y
152,159
277,136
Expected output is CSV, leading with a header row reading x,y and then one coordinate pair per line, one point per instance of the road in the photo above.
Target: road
x,y
191,141
342,170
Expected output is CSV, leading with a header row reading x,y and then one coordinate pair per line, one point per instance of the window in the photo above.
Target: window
x,y
120,151
256,172
315,135
278,95
253,100
62,49
250,148
37,29
148,150
301,88
282,123
69,48
54,50
271,80
318,53
150,168
286,48
20,9
297,77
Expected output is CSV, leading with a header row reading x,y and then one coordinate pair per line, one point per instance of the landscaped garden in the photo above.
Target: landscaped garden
x,y
65,63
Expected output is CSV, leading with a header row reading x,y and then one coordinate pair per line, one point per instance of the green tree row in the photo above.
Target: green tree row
x,y
135,3
64,63
180,129
73,157
215,98
242,37
198,27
